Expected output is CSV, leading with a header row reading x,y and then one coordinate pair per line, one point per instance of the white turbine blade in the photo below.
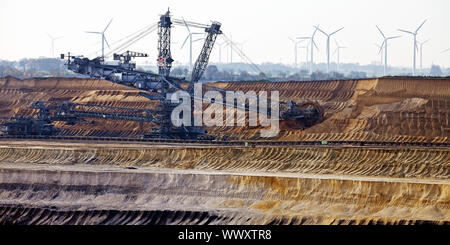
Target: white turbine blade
x,y
335,51
382,34
446,50
336,31
50,36
382,45
108,25
198,40
189,30
106,41
420,26
185,40
202,33
303,37
315,44
405,31
94,32
56,38
393,37
426,41
291,39
335,41
321,31
315,30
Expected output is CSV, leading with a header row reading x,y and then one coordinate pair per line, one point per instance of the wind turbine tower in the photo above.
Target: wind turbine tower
x,y
189,36
338,48
219,45
313,44
385,45
420,51
306,47
53,43
414,45
296,42
103,38
328,45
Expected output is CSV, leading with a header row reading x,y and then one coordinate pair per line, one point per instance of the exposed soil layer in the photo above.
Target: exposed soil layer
x,y
384,109
44,182
58,195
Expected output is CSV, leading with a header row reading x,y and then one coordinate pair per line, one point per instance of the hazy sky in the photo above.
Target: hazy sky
x,y
263,25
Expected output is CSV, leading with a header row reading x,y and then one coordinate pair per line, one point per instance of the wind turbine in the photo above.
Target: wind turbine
x,y
219,45
420,50
385,45
230,44
313,44
328,45
53,43
307,52
103,38
189,36
338,48
296,42
415,44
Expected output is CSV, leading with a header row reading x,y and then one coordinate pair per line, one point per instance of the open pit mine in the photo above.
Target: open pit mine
x,y
378,154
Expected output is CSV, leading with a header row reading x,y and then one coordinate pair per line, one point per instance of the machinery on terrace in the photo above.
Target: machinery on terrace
x,y
159,86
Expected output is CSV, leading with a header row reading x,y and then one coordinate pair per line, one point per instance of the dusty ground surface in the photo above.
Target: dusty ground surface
x,y
134,183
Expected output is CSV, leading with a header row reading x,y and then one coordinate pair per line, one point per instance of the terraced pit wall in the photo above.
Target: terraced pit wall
x,y
68,183
383,109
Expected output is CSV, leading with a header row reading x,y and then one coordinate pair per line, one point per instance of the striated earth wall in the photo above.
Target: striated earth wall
x,y
382,109
44,182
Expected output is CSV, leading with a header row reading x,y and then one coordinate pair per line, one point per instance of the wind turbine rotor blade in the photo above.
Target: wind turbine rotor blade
x,y
189,30
393,37
303,37
335,51
315,44
106,41
420,26
336,31
321,31
335,41
405,31
94,32
198,40
185,40
202,33
108,25
315,30
56,38
381,47
291,39
446,50
382,34
50,36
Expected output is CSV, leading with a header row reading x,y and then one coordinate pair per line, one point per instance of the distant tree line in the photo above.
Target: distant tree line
x,y
51,67
41,67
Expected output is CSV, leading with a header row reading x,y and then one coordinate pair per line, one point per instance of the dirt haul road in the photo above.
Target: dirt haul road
x,y
133,183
